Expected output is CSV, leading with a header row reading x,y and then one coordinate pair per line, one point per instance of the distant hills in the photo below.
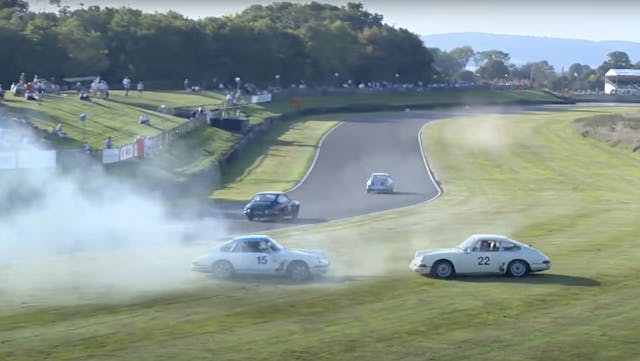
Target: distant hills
x,y
524,49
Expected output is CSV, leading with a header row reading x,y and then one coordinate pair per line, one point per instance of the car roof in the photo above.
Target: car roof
x,y
497,237
380,173
253,237
270,192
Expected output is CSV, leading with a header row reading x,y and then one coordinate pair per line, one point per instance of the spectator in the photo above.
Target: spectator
x,y
30,95
126,84
144,119
85,147
140,87
186,84
59,131
108,143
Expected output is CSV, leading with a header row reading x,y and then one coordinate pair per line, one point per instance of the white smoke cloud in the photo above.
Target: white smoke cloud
x,y
67,238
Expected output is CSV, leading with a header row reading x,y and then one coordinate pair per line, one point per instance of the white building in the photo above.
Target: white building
x,y
622,81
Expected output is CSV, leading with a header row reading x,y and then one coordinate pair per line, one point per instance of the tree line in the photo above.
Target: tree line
x,y
275,45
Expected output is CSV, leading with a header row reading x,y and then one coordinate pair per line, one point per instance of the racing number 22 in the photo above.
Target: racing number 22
x,y
262,259
483,261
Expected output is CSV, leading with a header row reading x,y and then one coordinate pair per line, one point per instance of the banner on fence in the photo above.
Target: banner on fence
x,y
261,98
37,159
126,152
8,160
110,155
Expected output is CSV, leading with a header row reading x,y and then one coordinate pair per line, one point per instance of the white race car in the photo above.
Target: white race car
x,y
258,254
380,182
481,254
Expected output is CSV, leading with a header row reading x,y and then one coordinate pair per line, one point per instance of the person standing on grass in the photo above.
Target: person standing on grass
x,y
126,84
108,143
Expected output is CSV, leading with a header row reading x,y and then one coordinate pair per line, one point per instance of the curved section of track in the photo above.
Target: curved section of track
x,y
334,188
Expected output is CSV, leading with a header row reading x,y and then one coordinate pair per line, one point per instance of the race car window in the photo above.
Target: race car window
x,y
283,199
227,247
264,198
509,247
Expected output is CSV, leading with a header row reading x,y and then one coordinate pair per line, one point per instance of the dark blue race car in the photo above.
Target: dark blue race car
x,y
272,205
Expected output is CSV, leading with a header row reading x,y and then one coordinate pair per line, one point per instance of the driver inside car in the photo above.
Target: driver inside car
x,y
265,246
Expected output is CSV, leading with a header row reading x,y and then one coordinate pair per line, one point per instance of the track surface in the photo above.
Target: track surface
x,y
335,186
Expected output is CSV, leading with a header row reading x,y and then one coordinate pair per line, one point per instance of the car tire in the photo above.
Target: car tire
x,y
517,268
442,269
250,217
298,271
294,214
222,270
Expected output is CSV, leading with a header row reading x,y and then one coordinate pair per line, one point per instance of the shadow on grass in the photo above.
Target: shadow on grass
x,y
283,280
535,279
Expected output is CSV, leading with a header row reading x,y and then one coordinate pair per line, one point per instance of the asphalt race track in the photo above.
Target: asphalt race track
x,y
335,186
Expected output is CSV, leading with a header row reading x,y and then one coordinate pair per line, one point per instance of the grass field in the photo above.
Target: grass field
x,y
529,176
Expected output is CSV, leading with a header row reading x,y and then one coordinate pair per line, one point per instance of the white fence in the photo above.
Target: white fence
x,y
28,159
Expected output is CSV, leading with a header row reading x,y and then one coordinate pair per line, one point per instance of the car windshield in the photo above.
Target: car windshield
x,y
379,178
275,246
265,197
467,243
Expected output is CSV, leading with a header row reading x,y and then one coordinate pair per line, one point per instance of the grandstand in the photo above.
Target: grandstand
x,y
622,81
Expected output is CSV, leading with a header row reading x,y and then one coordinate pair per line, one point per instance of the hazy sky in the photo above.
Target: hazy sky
x,y
586,19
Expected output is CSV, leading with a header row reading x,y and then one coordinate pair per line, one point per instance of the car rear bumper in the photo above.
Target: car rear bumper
x,y
379,189
538,267
319,270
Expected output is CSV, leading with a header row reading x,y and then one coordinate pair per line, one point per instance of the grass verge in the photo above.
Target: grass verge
x,y
527,175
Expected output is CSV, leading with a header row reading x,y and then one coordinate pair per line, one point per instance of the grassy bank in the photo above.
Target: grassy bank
x,y
529,176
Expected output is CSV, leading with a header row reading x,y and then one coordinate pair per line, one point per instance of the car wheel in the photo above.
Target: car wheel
x,y
294,214
298,271
518,268
250,216
442,269
222,270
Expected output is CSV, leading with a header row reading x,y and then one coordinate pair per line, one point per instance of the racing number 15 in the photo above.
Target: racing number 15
x,y
262,259
483,261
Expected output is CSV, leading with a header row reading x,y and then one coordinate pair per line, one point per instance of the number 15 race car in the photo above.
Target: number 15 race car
x,y
260,255
481,254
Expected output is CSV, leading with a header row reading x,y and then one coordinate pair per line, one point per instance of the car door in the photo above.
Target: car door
x,y
284,204
258,259
483,257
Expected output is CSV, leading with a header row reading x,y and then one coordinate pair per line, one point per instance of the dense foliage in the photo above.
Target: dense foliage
x,y
279,44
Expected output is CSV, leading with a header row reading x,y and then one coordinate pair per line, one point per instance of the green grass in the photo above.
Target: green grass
x,y
104,118
277,160
385,101
528,176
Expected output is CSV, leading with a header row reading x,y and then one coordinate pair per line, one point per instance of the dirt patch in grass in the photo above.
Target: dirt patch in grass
x,y
620,130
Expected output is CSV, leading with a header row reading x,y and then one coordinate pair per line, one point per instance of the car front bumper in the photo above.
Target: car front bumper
x,y
418,267
200,267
